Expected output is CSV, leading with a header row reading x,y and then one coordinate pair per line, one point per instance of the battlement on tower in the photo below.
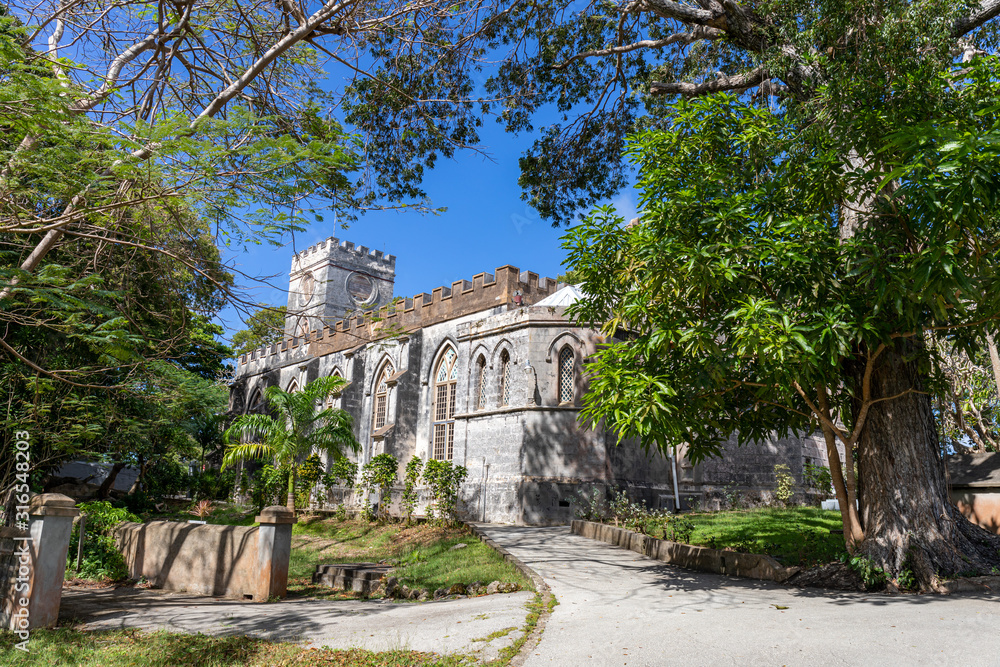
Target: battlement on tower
x,y
332,247
485,291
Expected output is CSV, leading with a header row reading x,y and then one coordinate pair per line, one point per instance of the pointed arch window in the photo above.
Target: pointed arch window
x,y
293,387
256,404
480,386
381,404
504,378
445,381
567,375
333,401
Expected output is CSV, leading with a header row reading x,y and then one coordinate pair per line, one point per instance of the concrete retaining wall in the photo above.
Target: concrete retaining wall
x,y
980,506
753,566
243,562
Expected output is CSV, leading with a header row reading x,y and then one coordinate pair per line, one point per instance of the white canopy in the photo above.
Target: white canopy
x,y
564,297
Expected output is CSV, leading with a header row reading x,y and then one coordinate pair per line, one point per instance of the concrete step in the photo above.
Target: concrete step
x,y
359,577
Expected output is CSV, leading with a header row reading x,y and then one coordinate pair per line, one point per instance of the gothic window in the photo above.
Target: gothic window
x,y
567,374
381,398
480,386
256,404
293,387
445,381
332,401
504,378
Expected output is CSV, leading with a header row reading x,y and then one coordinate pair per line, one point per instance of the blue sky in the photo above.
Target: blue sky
x,y
486,226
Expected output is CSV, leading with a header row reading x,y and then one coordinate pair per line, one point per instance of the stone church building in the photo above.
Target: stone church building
x,y
487,373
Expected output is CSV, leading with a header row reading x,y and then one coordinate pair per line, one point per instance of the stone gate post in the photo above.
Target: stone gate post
x,y
51,522
274,549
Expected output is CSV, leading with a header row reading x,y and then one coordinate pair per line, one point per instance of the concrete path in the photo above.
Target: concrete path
x,y
619,608
443,626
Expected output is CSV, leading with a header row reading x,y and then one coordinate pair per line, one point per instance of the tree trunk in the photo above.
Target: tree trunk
x,y
290,501
109,481
908,518
994,360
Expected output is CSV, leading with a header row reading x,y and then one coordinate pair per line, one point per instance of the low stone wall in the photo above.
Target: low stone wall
x,y
753,566
243,562
980,506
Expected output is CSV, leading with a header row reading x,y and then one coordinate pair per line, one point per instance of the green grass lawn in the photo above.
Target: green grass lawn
x,y
127,648
793,535
422,554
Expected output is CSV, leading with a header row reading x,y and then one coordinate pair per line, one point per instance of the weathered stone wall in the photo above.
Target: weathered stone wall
x,y
242,562
202,559
749,470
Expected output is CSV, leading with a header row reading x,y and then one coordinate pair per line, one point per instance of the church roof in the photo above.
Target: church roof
x,y
564,297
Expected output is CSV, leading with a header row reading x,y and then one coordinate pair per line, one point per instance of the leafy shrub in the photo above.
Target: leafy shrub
x,y
785,483
818,478
342,472
212,484
409,500
378,475
269,486
872,576
307,475
102,517
201,509
101,558
444,480
166,477
592,507
678,528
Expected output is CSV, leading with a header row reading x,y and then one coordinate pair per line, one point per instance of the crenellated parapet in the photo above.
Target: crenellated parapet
x,y
484,292
333,247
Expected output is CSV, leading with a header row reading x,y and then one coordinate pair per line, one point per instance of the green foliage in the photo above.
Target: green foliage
x,y
269,486
103,517
736,290
343,472
590,507
310,471
299,429
784,483
818,478
872,576
412,476
213,484
264,327
101,558
445,480
129,647
377,477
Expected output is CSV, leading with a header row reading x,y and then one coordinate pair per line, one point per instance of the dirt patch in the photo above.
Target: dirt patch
x,y
836,576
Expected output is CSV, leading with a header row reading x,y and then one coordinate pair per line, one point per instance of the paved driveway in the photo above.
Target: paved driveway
x,y
619,608
442,626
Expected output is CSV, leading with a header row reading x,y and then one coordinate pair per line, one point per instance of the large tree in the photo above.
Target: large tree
x,y
789,275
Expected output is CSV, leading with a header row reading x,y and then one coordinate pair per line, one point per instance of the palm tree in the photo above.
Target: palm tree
x,y
299,429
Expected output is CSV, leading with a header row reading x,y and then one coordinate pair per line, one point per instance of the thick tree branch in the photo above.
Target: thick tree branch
x,y
737,82
679,12
987,10
700,32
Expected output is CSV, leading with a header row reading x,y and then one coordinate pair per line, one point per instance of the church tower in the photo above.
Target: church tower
x,y
334,278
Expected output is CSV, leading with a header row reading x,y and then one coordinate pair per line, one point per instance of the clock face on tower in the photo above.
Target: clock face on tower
x,y
306,287
361,289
